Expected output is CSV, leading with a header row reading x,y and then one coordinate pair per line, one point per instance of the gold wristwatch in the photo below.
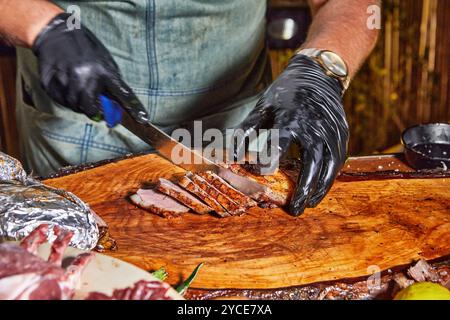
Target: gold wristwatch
x,y
333,65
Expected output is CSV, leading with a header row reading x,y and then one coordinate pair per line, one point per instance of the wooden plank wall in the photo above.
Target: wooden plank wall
x,y
405,81
8,133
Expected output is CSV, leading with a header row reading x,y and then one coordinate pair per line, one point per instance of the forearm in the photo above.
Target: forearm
x,y
22,20
341,26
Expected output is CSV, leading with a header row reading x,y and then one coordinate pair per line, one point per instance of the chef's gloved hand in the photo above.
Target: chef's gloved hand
x,y
75,68
306,106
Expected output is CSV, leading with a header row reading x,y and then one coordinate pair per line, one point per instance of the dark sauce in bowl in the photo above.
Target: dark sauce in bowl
x,y
433,150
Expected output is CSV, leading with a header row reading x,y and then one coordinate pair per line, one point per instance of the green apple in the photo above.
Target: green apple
x,y
424,291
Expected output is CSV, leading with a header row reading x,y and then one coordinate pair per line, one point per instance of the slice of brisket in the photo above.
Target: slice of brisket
x,y
279,187
224,187
171,189
229,205
193,188
158,203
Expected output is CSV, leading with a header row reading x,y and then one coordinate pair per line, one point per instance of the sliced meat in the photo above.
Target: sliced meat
x,y
402,280
227,189
158,203
171,189
279,187
193,188
229,205
291,168
422,271
141,290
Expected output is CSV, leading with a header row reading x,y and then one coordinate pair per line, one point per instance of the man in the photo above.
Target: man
x,y
185,60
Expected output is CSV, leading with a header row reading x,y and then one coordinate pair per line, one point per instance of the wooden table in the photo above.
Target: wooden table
x,y
379,213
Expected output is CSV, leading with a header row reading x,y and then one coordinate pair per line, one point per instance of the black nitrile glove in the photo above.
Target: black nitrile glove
x,y
306,106
75,68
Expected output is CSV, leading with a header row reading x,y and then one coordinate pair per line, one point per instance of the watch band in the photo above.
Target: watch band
x,y
316,54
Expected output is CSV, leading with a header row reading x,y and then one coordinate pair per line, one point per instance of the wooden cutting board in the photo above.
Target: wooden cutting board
x,y
360,224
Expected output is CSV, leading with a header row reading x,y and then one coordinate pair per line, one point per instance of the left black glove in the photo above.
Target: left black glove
x,y
75,68
305,105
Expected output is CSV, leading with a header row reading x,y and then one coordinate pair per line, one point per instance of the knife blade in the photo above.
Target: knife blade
x,y
165,145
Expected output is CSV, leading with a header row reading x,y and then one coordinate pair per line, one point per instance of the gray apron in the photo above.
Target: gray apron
x,y
186,60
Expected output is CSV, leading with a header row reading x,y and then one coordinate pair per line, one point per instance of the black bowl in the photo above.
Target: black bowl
x,y
427,146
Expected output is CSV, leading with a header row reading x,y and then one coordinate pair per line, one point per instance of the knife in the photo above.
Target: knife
x,y
114,113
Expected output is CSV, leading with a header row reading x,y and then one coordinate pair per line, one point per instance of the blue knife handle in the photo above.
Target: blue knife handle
x,y
112,111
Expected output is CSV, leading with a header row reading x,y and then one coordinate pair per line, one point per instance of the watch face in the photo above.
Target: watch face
x,y
334,63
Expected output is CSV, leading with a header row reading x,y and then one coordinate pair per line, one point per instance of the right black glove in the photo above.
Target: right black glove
x,y
305,105
75,68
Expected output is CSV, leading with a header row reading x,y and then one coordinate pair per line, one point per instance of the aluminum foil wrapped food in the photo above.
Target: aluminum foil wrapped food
x,y
26,203
11,169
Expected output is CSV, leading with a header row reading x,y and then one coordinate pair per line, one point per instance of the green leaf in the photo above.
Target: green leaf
x,y
185,285
161,274
97,118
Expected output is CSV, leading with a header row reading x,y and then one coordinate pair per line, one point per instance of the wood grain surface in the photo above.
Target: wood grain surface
x,y
383,223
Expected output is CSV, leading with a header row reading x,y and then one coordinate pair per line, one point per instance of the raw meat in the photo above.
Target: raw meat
x,y
229,205
158,203
190,186
169,188
25,276
227,189
141,290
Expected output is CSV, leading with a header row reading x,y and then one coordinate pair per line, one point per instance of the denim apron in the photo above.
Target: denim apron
x,y
185,59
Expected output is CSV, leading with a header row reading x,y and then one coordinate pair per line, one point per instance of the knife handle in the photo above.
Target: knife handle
x,y
112,111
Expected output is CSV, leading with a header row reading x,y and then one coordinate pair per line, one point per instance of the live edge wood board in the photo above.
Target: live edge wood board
x,y
362,222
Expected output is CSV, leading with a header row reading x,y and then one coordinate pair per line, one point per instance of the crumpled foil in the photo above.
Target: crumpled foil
x,y
25,203
11,169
